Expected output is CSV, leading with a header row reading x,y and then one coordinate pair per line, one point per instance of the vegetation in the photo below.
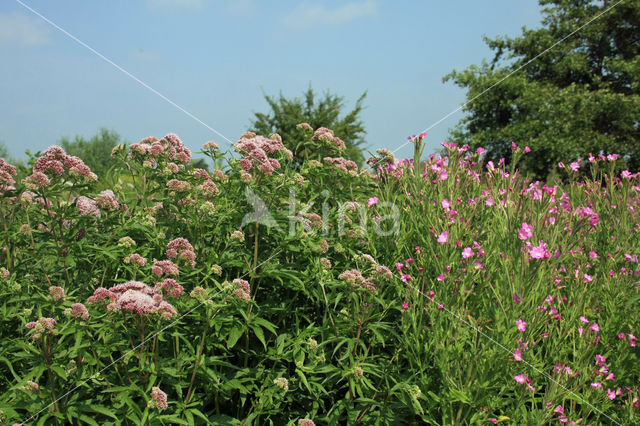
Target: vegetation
x,y
267,291
578,91
286,114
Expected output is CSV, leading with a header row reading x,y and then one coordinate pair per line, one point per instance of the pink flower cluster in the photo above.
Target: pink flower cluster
x,y
326,135
526,231
241,289
87,206
56,293
7,172
357,280
53,162
43,325
256,151
342,164
182,249
169,148
135,259
164,267
208,186
107,200
134,296
78,310
158,398
171,287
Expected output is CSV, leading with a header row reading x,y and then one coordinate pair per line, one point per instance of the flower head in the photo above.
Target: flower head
x,y
158,398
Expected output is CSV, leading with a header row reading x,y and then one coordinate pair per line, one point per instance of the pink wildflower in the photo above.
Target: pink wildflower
x,y
540,251
443,238
521,325
526,231
517,355
467,253
372,201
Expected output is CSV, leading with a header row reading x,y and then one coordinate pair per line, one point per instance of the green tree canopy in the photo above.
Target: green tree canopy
x,y
580,96
95,152
286,113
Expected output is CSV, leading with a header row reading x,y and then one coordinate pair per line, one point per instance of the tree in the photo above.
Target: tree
x,y
286,113
580,96
95,152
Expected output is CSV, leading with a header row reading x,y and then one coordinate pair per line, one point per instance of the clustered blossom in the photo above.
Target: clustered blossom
x,y
198,293
256,151
282,383
169,148
326,135
237,235
107,200
306,422
31,386
87,206
210,145
171,287
7,172
135,259
52,163
56,293
166,267
126,242
77,310
241,289
158,399
342,164
178,185
134,296
4,274
43,325
182,249
355,278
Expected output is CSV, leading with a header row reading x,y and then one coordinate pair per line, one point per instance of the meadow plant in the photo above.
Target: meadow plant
x,y
444,291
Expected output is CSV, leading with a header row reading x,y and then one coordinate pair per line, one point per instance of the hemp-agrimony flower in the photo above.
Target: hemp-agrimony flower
x,y
282,383
158,399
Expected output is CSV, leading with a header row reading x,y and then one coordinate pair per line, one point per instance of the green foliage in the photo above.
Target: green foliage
x,y
286,114
95,152
580,96
302,314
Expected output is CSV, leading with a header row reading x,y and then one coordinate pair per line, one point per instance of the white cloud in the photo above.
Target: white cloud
x,y
20,30
309,15
174,5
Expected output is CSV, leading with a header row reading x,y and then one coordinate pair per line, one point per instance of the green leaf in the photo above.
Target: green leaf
x,y
259,334
234,335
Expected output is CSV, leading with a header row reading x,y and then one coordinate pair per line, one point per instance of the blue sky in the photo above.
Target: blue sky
x,y
216,58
